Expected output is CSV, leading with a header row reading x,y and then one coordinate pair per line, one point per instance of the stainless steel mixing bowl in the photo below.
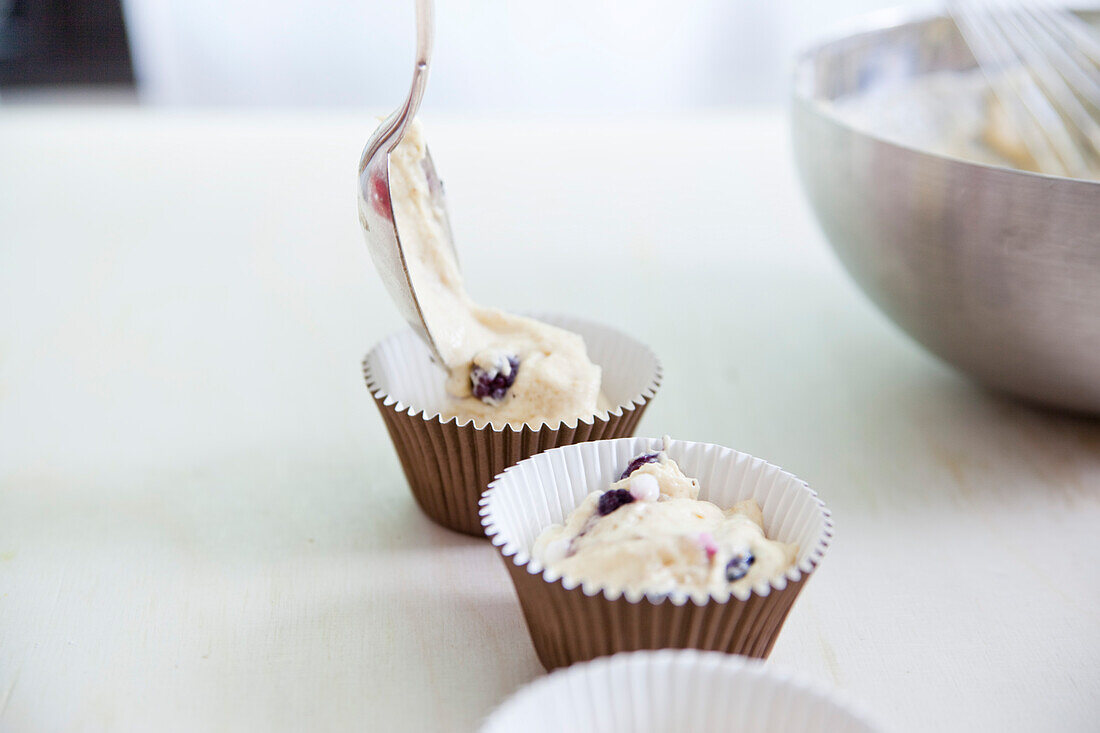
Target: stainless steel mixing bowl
x,y
995,270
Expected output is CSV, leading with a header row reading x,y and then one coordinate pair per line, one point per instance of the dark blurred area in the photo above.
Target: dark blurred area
x,y
61,42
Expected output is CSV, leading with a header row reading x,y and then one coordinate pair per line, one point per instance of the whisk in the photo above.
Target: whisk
x,y
1043,66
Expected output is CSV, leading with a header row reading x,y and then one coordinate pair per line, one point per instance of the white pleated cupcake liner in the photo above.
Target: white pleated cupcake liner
x,y
676,690
449,463
572,620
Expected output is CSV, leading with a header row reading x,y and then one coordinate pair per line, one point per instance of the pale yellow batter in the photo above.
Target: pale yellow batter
x,y
554,379
946,112
663,538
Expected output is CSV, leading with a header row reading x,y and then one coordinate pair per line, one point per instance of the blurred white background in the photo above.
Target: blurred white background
x,y
568,55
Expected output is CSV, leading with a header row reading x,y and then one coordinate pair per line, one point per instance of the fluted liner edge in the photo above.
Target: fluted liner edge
x,y
570,621
447,464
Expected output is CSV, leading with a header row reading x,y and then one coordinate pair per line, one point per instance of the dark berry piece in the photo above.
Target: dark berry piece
x,y
738,566
491,386
612,500
639,462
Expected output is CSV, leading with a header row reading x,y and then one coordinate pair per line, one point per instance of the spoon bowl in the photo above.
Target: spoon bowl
x,y
375,203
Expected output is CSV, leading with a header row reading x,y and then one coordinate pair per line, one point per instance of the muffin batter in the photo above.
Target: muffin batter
x,y
503,369
951,113
649,532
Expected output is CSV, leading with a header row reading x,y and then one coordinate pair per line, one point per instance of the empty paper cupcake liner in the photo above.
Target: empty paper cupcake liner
x,y
571,621
449,464
656,692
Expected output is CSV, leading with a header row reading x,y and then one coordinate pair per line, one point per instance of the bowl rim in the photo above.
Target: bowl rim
x,y
878,22
512,552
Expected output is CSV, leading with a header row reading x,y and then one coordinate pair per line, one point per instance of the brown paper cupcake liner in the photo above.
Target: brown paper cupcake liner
x,y
572,621
449,464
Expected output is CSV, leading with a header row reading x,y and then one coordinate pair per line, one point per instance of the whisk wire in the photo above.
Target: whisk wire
x,y
1050,68
1043,67
1077,66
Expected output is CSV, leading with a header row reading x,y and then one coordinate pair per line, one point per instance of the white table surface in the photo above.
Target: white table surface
x,y
203,525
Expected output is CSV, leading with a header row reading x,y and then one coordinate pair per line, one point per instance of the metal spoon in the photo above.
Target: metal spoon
x,y
375,205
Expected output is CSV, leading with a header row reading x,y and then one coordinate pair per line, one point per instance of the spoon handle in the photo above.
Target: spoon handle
x,y
425,38
392,130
